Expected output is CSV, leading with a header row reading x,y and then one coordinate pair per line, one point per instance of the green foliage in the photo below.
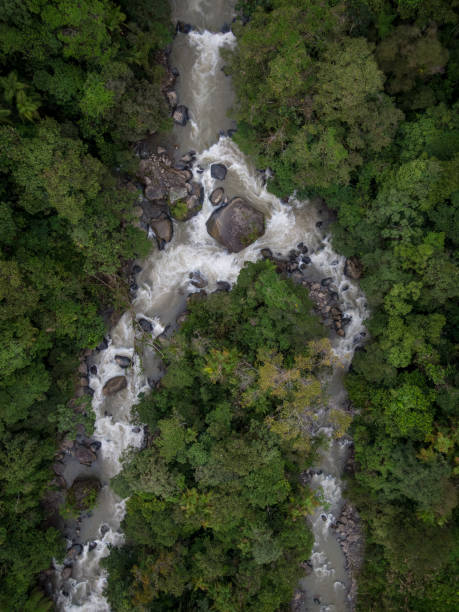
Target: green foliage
x,y
358,103
215,516
79,81
179,210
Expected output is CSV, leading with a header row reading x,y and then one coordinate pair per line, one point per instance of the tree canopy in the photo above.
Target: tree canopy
x,y
73,83
216,512
357,102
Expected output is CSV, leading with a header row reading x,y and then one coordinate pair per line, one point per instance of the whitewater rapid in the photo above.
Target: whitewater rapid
x,y
163,285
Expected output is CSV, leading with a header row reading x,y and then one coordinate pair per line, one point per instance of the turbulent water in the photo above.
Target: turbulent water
x,y
163,286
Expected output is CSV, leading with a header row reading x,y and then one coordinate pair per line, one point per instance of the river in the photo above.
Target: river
x,y
164,284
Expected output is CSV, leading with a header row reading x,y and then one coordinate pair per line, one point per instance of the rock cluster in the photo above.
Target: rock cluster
x,y
323,293
326,304
348,530
83,449
169,192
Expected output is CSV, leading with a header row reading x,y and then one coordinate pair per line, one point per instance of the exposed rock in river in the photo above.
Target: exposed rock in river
x,y
122,361
163,229
114,385
180,115
84,455
348,530
145,325
236,225
197,280
218,171
217,196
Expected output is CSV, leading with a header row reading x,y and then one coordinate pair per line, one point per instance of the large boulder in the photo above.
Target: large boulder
x,y
218,171
353,268
115,384
236,225
177,193
163,229
154,191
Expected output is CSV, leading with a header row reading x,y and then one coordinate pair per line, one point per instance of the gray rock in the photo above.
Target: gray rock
x,y
218,171
236,225
154,191
114,385
122,361
223,286
163,229
184,28
145,325
197,280
180,115
184,209
154,210
84,455
217,196
172,98
266,253
180,165
177,193
103,345
188,157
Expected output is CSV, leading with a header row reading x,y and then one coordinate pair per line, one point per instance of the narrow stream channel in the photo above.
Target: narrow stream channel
x,y
164,284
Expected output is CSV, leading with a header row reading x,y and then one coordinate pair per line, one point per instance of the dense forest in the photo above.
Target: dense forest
x,y
79,84
357,102
215,516
354,101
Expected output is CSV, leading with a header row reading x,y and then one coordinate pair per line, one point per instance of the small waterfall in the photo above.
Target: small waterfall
x,y
163,284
